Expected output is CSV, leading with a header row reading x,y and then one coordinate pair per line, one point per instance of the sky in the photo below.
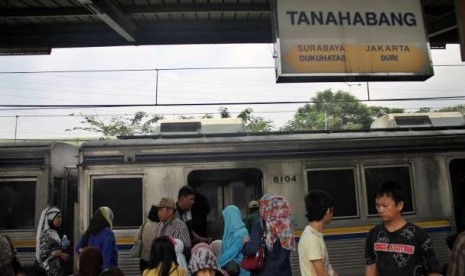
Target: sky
x,y
187,74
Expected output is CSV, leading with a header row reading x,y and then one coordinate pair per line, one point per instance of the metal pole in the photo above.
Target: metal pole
x,y
16,127
326,121
156,87
368,91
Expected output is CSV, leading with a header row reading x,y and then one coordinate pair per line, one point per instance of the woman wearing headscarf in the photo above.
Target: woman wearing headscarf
x,y
163,261
48,242
275,213
100,235
233,234
6,257
147,232
179,249
203,261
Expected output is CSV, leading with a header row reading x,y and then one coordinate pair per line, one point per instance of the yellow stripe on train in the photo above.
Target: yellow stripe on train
x,y
366,228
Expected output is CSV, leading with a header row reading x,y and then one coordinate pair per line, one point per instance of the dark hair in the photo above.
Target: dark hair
x,y
391,189
185,191
97,223
162,252
153,214
450,240
112,271
90,261
317,203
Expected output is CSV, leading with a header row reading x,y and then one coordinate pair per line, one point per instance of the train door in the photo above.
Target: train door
x,y
457,177
63,195
216,189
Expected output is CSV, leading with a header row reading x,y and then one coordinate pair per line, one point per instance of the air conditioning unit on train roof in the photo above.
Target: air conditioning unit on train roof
x,y
200,126
412,120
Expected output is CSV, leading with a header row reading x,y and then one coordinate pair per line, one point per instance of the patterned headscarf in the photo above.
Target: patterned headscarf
x,y
276,212
47,215
203,257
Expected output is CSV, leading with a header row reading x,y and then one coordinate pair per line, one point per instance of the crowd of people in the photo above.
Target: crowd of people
x,y
170,246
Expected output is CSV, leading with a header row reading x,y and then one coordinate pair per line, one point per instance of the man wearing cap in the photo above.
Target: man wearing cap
x,y
170,225
253,215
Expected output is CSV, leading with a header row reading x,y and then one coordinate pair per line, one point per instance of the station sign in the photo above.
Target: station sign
x,y
356,40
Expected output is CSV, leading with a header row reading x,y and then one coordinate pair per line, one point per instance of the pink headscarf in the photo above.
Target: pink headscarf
x,y
276,212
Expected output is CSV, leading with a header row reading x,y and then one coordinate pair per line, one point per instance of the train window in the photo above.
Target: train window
x,y
340,183
112,192
17,203
374,176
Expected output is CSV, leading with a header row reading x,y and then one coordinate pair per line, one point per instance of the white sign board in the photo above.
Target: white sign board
x,y
326,40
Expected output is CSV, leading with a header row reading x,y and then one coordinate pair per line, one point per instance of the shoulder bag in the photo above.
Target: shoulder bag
x,y
136,249
256,262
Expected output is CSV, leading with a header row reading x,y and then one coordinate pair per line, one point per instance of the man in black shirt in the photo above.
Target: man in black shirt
x,y
186,198
397,247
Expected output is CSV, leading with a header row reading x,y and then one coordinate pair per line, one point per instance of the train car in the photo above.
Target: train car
x,y
32,176
131,174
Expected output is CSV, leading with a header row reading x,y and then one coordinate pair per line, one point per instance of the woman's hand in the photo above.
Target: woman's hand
x,y
62,255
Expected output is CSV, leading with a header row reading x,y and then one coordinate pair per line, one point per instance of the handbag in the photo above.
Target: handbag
x,y
256,262
232,268
136,249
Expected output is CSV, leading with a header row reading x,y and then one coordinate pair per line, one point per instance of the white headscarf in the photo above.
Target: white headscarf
x,y
179,248
47,215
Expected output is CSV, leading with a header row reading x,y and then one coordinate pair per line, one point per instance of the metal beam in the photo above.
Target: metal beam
x,y
113,17
91,35
460,16
44,12
197,8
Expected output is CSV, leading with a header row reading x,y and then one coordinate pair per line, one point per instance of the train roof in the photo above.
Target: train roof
x,y
30,144
273,137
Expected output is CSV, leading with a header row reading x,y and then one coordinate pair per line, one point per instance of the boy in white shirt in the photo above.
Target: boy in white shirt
x,y
313,255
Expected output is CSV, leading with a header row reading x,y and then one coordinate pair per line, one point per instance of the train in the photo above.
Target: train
x,y
132,173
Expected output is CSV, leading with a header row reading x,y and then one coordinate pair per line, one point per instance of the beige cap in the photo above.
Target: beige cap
x,y
253,204
167,202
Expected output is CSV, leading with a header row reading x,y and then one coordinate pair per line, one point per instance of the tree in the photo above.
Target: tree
x,y
456,108
378,111
424,110
330,110
255,123
224,112
141,123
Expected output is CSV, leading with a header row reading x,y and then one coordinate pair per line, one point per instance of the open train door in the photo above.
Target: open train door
x,y
218,188
457,177
64,196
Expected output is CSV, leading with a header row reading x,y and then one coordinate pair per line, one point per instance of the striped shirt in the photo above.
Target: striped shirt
x,y
176,229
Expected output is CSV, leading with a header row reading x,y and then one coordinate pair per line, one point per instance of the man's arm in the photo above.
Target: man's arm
x,y
370,270
319,266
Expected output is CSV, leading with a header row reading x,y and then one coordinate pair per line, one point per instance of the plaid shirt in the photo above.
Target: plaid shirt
x,y
457,258
176,229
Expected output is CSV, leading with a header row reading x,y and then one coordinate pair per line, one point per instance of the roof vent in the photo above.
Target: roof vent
x,y
412,120
200,126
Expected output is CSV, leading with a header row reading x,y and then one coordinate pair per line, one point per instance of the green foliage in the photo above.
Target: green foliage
x,y
330,110
255,123
424,110
141,123
378,111
224,112
457,108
